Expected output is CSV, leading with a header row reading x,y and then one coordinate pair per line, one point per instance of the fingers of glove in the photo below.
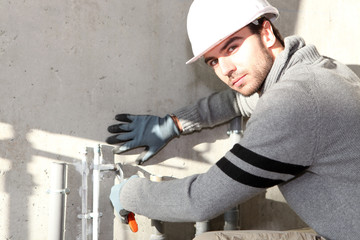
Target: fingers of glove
x,y
124,117
118,128
116,150
114,140
115,197
147,154
125,147
127,136
120,138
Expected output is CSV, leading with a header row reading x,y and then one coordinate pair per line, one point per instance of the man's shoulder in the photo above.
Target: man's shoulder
x,y
288,100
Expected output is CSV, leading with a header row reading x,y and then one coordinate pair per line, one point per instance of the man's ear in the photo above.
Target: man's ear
x,y
268,35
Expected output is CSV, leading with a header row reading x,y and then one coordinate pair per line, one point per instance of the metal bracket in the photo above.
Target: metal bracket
x,y
89,215
86,216
105,167
92,215
61,191
235,132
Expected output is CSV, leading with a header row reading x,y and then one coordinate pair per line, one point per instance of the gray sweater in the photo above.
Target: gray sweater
x,y
303,136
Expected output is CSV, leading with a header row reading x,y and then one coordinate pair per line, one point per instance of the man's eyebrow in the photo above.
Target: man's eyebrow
x,y
231,40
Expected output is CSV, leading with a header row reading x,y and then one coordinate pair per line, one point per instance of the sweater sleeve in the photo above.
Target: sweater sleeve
x,y
275,149
215,109
195,198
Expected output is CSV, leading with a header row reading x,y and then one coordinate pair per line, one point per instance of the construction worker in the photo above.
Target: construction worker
x,y
303,134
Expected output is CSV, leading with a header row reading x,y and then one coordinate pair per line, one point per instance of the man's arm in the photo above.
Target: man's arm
x,y
154,132
214,110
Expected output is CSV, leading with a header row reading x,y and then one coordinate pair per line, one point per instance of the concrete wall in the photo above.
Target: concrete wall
x,y
67,67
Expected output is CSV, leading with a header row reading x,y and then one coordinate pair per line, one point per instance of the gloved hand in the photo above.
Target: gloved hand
x,y
120,212
147,131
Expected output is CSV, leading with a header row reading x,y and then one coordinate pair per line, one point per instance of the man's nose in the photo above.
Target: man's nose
x,y
226,65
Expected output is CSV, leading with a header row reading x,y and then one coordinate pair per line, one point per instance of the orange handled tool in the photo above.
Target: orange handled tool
x,y
132,222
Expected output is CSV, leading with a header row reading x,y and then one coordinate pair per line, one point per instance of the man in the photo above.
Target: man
x,y
303,134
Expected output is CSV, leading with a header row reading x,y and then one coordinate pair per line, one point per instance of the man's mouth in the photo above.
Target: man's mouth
x,y
237,82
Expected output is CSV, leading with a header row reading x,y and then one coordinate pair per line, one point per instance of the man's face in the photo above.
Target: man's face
x,y
242,61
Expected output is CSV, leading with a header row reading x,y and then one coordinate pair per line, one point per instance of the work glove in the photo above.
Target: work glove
x,y
120,212
147,131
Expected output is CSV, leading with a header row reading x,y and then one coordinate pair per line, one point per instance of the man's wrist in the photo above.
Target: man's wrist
x,y
177,122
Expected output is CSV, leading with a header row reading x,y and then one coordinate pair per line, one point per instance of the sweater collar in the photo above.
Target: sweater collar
x,y
295,51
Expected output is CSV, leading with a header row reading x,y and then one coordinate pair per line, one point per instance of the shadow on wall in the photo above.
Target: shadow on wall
x,y
20,185
287,21
356,69
17,175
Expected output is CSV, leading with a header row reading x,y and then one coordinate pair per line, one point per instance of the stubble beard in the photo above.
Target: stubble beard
x,y
260,72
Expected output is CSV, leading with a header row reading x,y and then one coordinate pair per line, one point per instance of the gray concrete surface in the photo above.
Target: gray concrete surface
x,y
68,66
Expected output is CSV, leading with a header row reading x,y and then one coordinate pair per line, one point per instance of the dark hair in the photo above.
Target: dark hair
x,y
256,28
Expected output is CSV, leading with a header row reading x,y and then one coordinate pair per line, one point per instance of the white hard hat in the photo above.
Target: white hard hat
x,y
211,21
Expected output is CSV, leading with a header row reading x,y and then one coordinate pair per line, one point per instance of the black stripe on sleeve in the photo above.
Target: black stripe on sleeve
x,y
243,177
266,163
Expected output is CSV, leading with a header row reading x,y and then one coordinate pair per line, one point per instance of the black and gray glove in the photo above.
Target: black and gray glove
x,y
147,131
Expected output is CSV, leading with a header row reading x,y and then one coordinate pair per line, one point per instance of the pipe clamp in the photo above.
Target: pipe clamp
x,y
61,191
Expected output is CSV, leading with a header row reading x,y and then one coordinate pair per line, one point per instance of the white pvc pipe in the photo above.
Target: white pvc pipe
x,y
231,219
236,131
58,190
96,192
202,227
84,195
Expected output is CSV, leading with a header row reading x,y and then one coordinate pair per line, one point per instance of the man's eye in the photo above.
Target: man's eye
x,y
231,49
212,63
